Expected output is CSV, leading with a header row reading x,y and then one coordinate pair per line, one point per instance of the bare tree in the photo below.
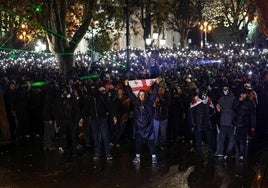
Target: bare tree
x,y
235,14
183,16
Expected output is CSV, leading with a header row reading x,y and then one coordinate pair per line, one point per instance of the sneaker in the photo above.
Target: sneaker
x,y
241,158
61,150
27,136
96,157
218,155
109,158
136,160
154,160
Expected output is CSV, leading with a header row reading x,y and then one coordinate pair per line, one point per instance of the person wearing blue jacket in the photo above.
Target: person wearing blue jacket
x,y
143,119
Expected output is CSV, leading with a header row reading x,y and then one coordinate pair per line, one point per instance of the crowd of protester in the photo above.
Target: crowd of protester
x,y
91,106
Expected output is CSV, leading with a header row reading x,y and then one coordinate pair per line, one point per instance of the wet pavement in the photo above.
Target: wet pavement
x,y
25,164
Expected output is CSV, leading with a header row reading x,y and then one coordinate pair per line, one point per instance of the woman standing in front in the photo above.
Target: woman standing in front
x,y
143,120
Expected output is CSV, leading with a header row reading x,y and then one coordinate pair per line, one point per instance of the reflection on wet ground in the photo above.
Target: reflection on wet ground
x,y
25,164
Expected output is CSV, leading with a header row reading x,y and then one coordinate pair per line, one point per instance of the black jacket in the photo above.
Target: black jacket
x,y
227,112
161,108
199,116
245,113
96,107
49,104
67,109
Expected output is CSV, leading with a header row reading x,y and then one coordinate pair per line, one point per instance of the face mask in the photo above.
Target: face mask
x,y
225,92
204,96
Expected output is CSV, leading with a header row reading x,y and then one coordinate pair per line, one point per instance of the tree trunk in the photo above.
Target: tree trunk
x,y
66,62
235,35
4,125
183,39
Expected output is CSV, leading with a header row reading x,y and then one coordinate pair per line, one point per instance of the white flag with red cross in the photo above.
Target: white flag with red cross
x,y
137,85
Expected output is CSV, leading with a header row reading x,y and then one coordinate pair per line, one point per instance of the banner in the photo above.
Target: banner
x,y
137,85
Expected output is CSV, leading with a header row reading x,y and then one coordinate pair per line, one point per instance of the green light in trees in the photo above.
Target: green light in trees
x,y
89,76
38,84
13,56
38,8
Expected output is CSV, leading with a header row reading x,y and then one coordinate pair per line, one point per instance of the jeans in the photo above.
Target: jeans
x,y
116,131
138,146
162,124
69,135
87,135
241,141
100,133
199,134
49,135
225,132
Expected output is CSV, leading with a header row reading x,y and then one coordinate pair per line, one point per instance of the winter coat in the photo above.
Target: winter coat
x,y
177,107
160,108
227,112
115,107
49,105
199,116
67,109
143,114
96,107
245,113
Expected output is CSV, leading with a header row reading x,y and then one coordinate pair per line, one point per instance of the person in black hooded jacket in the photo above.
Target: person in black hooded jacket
x,y
67,117
200,112
49,116
244,121
96,109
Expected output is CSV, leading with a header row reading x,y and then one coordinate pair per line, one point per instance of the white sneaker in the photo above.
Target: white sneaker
x,y
154,160
61,150
218,155
136,160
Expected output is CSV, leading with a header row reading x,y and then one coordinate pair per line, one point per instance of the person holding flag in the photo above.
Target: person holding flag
x,y
143,119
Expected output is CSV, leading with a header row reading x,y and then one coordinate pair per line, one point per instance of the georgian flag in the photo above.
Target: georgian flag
x,y
137,85
196,100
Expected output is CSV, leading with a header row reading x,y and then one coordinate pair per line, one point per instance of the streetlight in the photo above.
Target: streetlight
x,y
39,47
162,42
150,41
23,32
204,27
